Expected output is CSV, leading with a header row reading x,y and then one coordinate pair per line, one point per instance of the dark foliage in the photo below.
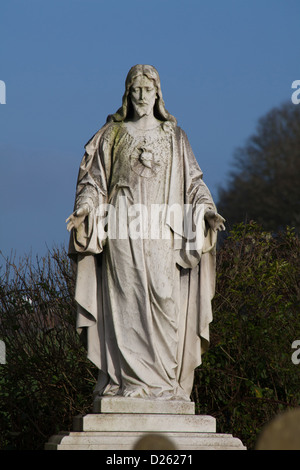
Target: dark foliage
x,y
46,379
247,376
265,183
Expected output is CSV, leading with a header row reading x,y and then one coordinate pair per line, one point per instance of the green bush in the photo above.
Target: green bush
x,y
246,378
46,379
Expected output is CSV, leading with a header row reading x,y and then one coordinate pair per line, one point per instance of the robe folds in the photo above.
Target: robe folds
x,y
144,281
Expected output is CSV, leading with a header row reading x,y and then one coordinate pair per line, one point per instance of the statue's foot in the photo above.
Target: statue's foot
x,y
110,391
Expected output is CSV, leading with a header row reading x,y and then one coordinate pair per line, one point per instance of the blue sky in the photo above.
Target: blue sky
x,y
223,64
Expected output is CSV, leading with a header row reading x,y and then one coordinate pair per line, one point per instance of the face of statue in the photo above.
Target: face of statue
x,y
143,95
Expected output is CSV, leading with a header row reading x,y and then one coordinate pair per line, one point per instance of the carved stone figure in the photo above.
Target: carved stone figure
x,y
143,236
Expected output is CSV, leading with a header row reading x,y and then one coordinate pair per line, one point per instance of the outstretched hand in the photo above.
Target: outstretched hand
x,y
215,220
77,217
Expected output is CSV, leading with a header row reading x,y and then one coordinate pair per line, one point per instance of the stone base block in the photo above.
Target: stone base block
x,y
127,441
144,422
120,423
140,405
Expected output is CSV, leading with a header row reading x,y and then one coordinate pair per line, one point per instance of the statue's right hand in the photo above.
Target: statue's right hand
x,y
77,217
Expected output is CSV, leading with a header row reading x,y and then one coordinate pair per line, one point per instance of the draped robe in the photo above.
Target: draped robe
x,y
145,301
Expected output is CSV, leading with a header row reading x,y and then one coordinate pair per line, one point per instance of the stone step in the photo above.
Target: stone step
x,y
139,405
123,422
127,441
144,422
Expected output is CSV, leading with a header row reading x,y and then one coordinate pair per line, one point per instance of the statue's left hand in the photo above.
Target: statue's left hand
x,y
75,219
215,220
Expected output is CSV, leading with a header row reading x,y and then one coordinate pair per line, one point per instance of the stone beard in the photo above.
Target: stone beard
x,y
144,302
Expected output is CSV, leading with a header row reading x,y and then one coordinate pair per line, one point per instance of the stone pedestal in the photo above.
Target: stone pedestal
x,y
119,423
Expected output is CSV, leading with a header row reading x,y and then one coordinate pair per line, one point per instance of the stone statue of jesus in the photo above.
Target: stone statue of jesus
x,y
143,236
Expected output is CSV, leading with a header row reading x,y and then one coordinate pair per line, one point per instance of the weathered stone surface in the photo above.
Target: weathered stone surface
x,y
143,234
123,431
128,440
138,405
143,422
147,321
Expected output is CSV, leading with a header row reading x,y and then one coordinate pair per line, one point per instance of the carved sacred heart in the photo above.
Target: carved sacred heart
x,y
146,158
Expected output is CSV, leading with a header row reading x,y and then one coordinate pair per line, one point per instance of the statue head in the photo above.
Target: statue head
x,y
126,110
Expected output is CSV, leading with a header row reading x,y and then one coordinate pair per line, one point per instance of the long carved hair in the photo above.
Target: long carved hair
x,y
126,110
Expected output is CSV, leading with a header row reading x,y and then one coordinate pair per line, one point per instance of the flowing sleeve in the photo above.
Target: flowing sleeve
x,y
196,190
199,197
198,282
198,238
91,189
